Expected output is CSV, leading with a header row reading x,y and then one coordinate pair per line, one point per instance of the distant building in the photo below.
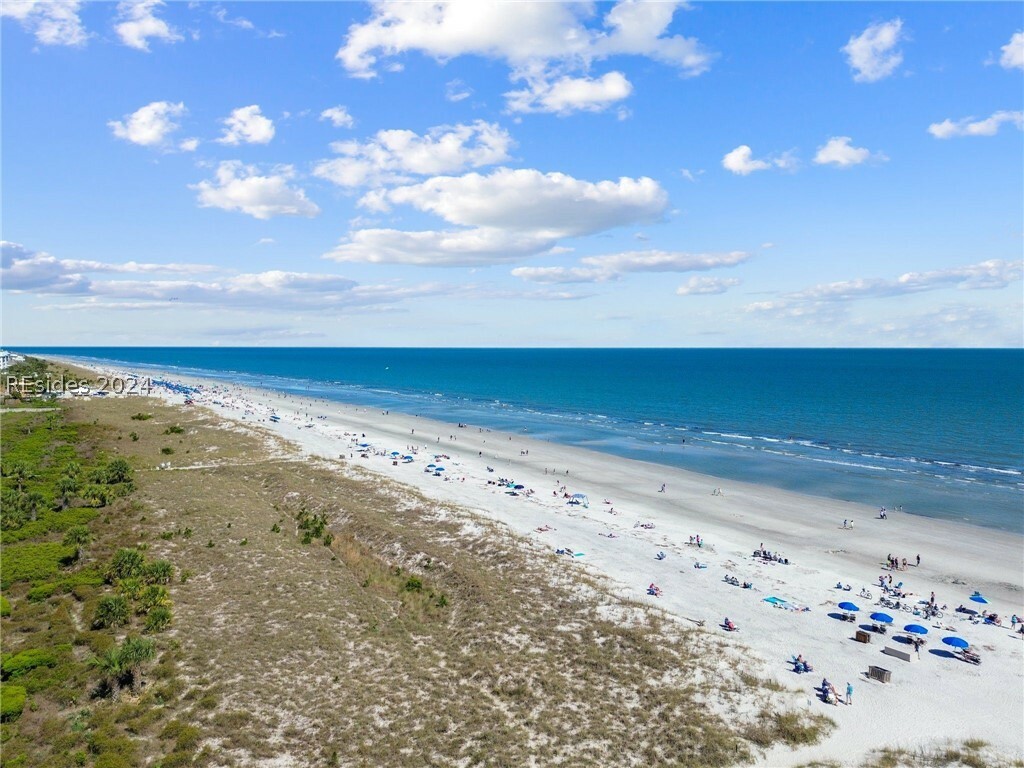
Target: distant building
x,y
7,359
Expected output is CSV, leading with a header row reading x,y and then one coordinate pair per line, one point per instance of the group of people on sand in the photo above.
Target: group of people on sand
x,y
773,557
697,541
895,564
801,665
830,695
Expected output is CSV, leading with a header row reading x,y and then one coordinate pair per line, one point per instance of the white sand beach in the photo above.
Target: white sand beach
x,y
930,699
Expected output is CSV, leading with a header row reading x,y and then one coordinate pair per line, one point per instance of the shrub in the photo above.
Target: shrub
x,y
158,619
166,450
134,436
118,471
130,587
413,584
152,597
174,430
112,611
41,592
275,528
159,572
126,563
12,701
5,606
15,665
33,562
142,417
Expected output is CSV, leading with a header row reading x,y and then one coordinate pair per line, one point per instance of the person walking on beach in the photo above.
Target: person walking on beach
x,y
849,693
662,488
918,561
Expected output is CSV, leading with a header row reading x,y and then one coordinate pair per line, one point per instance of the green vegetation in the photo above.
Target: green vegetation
x,y
12,701
174,429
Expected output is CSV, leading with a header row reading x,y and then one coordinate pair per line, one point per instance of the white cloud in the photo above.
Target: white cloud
x,y
393,155
968,126
873,55
741,161
689,175
706,286
239,187
453,248
991,274
526,200
246,125
139,24
456,90
548,45
518,34
37,271
1013,52
188,145
53,22
840,152
339,117
266,241
570,94
599,269
149,126
221,14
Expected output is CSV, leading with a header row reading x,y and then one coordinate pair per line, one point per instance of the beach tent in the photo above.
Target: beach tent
x,y
580,498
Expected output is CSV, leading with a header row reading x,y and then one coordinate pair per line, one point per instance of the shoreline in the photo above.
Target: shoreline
x,y
957,558
855,479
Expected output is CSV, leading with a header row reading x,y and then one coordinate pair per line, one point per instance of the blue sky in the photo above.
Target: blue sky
x,y
513,174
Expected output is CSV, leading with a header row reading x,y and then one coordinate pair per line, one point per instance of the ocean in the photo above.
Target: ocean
x,y
939,433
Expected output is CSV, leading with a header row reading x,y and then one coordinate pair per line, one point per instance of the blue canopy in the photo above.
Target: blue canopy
x,y
439,469
885,618
849,607
916,629
956,642
976,597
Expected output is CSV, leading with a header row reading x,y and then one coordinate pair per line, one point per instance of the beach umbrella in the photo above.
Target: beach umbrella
x,y
431,466
408,457
439,469
849,607
519,487
976,597
395,453
885,618
956,642
915,629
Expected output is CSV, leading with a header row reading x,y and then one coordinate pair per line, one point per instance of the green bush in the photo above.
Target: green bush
x,y
159,572
134,436
413,584
60,520
167,450
41,592
33,562
118,471
158,619
5,606
174,430
12,701
17,664
152,597
112,611
142,417
126,563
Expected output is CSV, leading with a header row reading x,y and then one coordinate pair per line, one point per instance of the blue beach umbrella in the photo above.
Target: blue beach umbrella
x,y
885,618
956,642
849,607
976,597
915,629
439,469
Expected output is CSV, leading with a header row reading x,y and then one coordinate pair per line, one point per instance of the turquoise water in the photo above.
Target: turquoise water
x,y
939,432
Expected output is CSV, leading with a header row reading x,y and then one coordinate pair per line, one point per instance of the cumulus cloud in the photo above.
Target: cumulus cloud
x,y
151,125
706,286
504,215
570,94
1013,52
528,200
139,23
52,22
741,161
549,45
970,126
26,270
838,151
873,54
188,145
240,187
451,248
393,156
339,117
246,125
599,269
